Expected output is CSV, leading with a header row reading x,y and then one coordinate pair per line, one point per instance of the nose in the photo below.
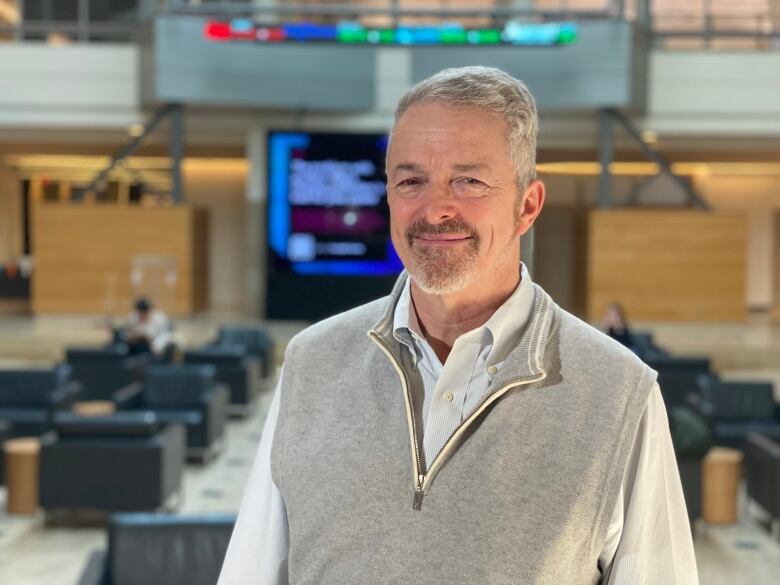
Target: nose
x,y
439,205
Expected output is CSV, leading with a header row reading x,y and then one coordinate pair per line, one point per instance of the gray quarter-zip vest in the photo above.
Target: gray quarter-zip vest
x,y
521,494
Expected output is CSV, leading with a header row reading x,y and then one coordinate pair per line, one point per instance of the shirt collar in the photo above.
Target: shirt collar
x,y
501,330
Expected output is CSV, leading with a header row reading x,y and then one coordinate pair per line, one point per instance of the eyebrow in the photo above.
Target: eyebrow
x,y
470,167
411,167
461,168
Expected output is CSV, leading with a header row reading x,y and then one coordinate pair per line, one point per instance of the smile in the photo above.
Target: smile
x,y
443,239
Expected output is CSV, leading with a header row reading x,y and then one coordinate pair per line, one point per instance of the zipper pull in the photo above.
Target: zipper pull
x,y
418,494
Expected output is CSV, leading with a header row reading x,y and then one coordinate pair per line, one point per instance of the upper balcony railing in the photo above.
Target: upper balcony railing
x,y
674,24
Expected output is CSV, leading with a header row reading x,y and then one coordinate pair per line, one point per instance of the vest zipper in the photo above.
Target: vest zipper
x,y
452,441
423,480
411,421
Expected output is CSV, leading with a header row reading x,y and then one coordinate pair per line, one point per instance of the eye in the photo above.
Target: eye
x,y
471,181
408,187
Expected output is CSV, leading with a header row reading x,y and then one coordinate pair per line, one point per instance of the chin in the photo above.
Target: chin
x,y
440,285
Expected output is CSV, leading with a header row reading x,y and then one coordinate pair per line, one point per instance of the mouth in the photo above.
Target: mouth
x,y
442,239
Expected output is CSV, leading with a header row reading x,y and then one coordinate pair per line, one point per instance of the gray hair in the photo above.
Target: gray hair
x,y
491,88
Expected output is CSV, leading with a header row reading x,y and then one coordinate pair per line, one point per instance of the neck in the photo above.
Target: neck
x,y
444,318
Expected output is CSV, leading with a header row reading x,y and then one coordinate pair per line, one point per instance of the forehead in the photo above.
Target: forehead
x,y
434,132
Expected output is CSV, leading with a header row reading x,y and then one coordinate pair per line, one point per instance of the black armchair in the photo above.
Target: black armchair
x,y
103,371
677,376
188,395
125,461
762,471
29,398
736,409
235,368
161,549
646,347
255,340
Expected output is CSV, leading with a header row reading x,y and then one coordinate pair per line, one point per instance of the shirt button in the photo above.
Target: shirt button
x,y
448,396
492,370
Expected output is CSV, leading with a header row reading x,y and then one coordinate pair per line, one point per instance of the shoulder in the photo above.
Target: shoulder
x,y
341,329
589,339
589,350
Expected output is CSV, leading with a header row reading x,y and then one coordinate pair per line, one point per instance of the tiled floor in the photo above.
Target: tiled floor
x,y
31,554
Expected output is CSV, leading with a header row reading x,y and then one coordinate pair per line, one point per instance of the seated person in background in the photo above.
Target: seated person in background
x,y
148,330
615,325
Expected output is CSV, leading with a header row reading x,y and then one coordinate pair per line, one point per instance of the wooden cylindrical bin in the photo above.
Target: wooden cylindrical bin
x,y
721,471
94,408
21,474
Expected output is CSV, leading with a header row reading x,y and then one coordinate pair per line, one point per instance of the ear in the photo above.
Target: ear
x,y
530,206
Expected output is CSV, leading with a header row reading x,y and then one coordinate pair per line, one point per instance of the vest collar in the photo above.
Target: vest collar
x,y
524,361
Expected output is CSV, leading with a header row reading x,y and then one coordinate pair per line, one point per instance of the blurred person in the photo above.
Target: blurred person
x,y
616,326
148,330
464,429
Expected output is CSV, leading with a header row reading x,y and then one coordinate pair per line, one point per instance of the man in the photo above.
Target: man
x,y
148,330
464,429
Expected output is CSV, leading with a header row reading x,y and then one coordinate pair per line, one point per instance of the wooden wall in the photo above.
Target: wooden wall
x,y
85,254
775,311
668,265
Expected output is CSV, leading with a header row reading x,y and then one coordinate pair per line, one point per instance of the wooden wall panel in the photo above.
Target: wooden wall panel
x,y
668,265
776,280
84,257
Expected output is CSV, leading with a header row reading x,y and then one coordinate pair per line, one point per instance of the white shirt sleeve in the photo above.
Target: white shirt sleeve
x,y
649,539
257,553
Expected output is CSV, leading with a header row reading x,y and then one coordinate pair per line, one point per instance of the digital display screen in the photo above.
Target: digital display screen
x,y
327,205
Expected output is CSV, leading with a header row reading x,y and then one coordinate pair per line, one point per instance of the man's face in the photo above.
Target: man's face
x,y
453,196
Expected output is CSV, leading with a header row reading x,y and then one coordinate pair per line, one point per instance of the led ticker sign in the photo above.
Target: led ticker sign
x,y
514,33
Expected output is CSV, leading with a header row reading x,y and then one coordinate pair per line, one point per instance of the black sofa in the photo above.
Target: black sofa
x,y
762,473
736,409
102,371
121,462
185,394
29,397
161,549
235,368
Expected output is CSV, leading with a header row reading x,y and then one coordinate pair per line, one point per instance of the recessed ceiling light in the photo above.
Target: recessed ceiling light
x,y
649,136
135,130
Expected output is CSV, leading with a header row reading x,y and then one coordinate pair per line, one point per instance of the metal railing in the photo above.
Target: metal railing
x,y
700,24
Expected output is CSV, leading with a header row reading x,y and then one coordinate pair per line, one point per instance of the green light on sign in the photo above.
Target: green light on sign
x,y
452,37
485,36
567,36
352,35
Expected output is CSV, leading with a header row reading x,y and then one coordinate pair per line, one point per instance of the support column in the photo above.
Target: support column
x,y
256,229
176,152
83,16
643,15
606,156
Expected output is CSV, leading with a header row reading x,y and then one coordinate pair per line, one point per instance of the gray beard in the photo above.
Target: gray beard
x,y
441,272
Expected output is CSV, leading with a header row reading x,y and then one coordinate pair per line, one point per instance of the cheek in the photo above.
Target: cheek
x,y
400,215
398,223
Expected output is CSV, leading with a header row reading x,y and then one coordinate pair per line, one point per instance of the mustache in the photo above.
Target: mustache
x,y
422,227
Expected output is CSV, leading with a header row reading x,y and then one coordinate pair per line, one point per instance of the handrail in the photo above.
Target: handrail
x,y
759,25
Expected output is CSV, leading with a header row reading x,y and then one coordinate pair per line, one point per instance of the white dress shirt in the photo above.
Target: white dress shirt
x,y
648,541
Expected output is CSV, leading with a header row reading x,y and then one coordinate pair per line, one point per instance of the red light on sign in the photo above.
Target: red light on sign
x,y
270,35
217,31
